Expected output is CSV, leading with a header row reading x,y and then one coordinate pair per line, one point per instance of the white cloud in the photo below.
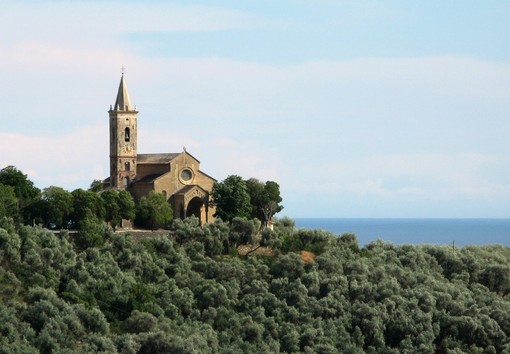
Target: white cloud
x,y
425,129
424,177
102,22
69,160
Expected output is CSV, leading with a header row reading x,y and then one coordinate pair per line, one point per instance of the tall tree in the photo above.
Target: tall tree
x,y
127,206
58,206
118,205
154,210
231,198
265,199
8,201
84,202
24,189
96,186
110,199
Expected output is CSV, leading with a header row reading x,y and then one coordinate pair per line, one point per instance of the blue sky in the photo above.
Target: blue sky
x,y
356,108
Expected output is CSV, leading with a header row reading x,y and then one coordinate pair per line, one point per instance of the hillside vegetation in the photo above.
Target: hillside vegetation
x,y
190,292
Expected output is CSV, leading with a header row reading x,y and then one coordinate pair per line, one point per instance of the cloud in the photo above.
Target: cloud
x,y
68,160
219,156
379,130
102,22
411,176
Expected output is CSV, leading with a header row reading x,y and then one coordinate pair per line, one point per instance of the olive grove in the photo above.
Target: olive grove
x,y
187,291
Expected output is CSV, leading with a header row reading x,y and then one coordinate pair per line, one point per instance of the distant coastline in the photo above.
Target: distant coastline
x,y
439,231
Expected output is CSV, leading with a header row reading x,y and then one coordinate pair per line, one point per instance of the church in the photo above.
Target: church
x,y
176,175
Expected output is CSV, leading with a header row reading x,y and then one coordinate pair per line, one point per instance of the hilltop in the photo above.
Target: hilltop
x,y
181,293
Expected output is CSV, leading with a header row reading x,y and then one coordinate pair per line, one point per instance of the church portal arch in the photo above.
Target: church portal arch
x,y
194,208
192,200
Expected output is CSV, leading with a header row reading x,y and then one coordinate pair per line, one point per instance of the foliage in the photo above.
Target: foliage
x,y
96,186
8,201
265,199
118,205
85,204
243,231
154,210
90,232
24,190
56,207
179,292
231,198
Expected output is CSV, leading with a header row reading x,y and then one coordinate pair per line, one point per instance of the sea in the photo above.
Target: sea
x,y
461,232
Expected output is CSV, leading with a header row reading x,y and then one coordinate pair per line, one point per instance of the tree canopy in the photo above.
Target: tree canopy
x,y
56,207
8,201
154,210
265,199
24,191
313,293
231,198
191,289
24,188
118,205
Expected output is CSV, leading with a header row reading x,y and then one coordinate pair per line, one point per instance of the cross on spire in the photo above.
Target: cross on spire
x,y
123,70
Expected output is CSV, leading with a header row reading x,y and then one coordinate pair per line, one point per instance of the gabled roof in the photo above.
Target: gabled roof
x,y
156,158
188,188
123,103
149,178
205,174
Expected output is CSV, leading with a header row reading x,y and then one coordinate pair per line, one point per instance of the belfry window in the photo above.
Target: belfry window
x,y
126,182
126,135
127,166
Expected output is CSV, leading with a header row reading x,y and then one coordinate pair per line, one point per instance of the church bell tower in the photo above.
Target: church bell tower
x,y
123,135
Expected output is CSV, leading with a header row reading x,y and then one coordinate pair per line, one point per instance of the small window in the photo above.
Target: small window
x,y
127,165
126,135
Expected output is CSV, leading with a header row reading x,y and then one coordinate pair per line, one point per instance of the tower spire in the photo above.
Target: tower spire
x,y
123,139
123,103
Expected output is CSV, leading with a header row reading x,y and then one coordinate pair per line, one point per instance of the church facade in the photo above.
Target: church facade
x,y
176,175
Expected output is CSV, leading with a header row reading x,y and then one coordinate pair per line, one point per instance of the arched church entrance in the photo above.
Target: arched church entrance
x,y
194,207
192,200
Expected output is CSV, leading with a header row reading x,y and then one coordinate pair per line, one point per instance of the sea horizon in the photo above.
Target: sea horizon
x,y
408,230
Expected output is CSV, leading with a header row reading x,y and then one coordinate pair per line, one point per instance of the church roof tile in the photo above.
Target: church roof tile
x,y
156,158
149,178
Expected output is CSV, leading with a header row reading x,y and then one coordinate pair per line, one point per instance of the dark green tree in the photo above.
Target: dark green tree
x,y
58,206
126,205
118,205
265,199
231,199
96,186
24,190
8,201
111,206
23,187
497,278
85,202
90,232
153,210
